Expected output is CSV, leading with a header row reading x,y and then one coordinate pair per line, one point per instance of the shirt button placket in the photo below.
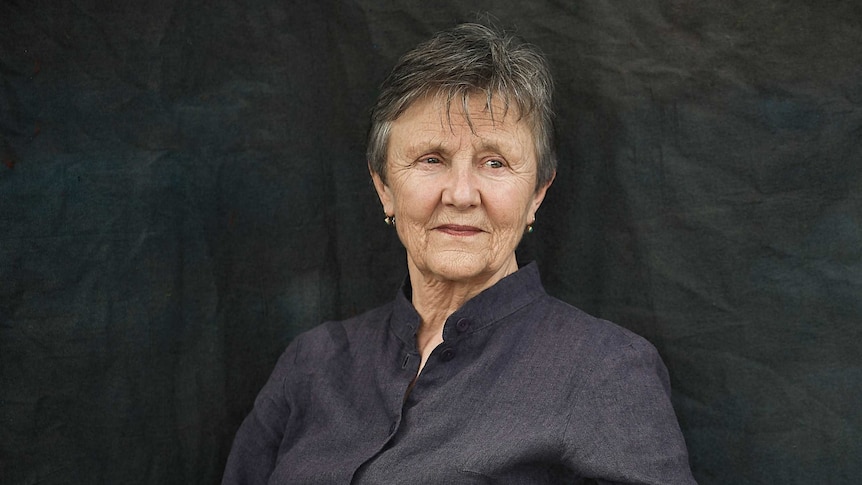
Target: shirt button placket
x,y
447,354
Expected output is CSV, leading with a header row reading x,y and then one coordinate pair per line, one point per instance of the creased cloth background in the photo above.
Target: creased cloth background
x,y
183,189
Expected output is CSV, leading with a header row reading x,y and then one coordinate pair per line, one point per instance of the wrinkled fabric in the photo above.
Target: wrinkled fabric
x,y
523,389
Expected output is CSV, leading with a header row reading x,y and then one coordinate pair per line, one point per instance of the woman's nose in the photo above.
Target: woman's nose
x,y
461,190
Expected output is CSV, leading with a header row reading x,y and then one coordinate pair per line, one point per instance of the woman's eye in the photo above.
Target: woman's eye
x,y
431,160
494,164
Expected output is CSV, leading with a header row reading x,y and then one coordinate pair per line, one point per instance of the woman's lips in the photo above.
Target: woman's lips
x,y
459,230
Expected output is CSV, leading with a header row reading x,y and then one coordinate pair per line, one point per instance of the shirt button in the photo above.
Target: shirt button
x,y
447,354
462,325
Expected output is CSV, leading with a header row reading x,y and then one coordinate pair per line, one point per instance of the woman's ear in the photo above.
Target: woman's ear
x,y
539,196
383,192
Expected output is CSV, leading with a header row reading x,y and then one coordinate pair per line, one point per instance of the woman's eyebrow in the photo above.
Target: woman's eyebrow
x,y
429,142
419,148
499,143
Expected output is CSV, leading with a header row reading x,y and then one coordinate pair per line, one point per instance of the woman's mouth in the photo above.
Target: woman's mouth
x,y
458,230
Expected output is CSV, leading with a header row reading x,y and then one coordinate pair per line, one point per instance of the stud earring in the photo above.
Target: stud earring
x,y
389,220
530,226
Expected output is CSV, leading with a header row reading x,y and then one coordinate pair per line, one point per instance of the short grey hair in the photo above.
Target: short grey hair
x,y
456,63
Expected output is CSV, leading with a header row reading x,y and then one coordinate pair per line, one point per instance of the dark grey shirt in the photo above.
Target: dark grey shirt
x,y
524,389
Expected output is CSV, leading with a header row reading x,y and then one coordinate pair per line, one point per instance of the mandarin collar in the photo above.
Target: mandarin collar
x,y
491,305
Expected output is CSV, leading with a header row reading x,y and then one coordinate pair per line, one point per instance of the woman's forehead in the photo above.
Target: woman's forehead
x,y
476,112
469,105
432,125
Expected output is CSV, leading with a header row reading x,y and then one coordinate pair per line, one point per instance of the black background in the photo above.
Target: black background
x,y
183,189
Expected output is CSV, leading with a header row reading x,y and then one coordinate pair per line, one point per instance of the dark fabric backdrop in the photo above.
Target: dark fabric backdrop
x,y
183,189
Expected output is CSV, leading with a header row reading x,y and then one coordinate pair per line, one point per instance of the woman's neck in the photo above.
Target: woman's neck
x,y
436,298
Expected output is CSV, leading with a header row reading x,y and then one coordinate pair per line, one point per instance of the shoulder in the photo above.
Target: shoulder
x,y
598,355
620,422
590,336
335,337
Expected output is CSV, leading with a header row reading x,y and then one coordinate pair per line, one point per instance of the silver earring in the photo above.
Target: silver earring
x,y
389,220
530,225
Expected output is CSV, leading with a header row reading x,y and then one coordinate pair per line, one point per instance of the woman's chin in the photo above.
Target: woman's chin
x,y
474,269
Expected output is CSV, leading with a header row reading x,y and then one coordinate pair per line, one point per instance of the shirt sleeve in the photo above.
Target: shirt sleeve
x,y
622,427
255,446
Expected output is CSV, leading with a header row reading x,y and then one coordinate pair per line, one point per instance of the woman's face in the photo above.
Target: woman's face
x,y
462,196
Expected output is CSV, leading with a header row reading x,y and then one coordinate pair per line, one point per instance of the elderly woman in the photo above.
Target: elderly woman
x,y
473,374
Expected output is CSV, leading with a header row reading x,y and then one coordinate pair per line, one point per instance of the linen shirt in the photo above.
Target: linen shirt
x,y
524,389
